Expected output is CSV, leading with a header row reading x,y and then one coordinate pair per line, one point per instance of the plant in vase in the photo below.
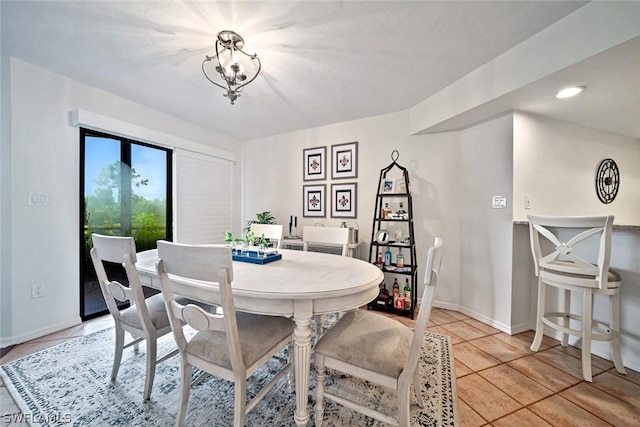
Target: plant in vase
x,y
235,243
263,244
249,239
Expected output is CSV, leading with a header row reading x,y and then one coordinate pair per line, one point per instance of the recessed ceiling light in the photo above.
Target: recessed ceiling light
x,y
570,91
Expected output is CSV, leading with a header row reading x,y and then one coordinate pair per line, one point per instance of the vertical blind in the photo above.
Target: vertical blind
x,y
203,198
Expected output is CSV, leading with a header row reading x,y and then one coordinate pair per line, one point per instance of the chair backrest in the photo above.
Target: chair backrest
x,y
562,260
270,231
120,250
210,264
326,235
432,272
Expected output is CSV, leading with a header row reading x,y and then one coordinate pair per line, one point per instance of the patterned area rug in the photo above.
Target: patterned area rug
x,y
69,384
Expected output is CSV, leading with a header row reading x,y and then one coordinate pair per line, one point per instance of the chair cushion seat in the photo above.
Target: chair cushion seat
x,y
258,334
373,342
157,312
156,309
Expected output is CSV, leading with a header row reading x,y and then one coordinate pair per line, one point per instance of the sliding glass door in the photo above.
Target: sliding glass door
x,y
125,191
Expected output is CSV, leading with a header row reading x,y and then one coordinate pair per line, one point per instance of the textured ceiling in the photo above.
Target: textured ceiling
x,y
323,62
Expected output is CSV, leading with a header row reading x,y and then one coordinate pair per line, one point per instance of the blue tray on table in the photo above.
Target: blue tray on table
x,y
254,258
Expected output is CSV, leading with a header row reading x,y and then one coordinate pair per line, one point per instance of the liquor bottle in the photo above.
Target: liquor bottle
x,y
383,296
402,214
379,262
407,295
387,257
396,292
386,211
400,259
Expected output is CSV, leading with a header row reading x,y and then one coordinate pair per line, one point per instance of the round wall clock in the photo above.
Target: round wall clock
x,y
607,181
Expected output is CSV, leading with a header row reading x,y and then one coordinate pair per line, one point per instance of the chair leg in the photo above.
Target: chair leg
x,y
566,320
185,389
320,376
240,391
614,325
587,313
537,339
117,356
417,386
151,365
403,407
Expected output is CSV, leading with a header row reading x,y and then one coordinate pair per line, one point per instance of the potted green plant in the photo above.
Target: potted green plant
x,y
264,217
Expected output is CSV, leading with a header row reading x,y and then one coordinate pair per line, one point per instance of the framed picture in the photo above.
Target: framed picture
x,y
388,185
344,161
313,200
314,164
343,200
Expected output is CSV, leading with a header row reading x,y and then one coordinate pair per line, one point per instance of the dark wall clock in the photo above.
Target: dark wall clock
x,y
607,181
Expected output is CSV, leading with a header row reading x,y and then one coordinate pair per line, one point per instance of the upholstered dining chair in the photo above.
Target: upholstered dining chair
x,y
232,346
273,232
144,319
560,246
378,349
325,235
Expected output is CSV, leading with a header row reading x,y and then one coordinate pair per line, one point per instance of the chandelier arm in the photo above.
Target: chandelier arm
x,y
238,88
207,76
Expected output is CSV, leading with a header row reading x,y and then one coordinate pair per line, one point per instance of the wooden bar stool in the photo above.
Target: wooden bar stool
x,y
562,265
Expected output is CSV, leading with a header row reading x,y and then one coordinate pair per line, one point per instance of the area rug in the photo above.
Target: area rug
x,y
69,384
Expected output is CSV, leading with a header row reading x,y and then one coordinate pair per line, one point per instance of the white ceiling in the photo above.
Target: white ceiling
x,y
323,61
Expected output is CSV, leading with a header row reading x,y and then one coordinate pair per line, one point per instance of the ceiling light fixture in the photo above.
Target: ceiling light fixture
x,y
570,91
230,62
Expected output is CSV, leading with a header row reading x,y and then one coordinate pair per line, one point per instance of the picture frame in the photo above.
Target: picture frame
x,y
387,186
314,164
313,201
344,199
344,160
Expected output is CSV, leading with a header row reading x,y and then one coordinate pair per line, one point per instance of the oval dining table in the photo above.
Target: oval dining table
x,y
300,285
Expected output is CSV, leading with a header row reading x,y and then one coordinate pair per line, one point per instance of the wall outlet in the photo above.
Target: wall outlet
x,y
527,201
37,291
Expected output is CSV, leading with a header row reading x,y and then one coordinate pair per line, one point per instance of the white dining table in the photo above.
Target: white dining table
x,y
300,285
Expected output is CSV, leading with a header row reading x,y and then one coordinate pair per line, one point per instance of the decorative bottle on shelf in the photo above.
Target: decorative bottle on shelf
x,y
379,262
407,295
383,296
386,211
400,259
402,214
396,292
387,257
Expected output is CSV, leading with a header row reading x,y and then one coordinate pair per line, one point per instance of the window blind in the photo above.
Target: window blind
x,y
203,195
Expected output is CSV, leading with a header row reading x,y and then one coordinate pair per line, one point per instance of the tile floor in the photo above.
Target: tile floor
x,y
500,381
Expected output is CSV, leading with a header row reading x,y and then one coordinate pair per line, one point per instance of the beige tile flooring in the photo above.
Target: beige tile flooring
x,y
500,381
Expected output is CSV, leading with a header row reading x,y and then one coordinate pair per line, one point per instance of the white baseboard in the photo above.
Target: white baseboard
x,y
37,333
511,330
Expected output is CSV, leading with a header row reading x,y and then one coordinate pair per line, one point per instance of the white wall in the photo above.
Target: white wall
x,y
486,233
41,244
272,180
555,163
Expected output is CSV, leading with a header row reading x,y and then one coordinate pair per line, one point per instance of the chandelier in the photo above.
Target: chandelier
x,y
229,63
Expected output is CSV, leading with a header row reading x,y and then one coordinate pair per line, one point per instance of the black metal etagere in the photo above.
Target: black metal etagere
x,y
393,193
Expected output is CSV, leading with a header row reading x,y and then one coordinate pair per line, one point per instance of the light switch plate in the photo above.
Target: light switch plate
x,y
499,202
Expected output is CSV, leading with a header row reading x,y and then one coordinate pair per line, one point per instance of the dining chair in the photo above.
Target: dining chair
x,y
330,236
145,319
270,231
378,349
326,235
560,246
231,346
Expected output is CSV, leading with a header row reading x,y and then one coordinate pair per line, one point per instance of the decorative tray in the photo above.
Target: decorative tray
x,y
255,258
